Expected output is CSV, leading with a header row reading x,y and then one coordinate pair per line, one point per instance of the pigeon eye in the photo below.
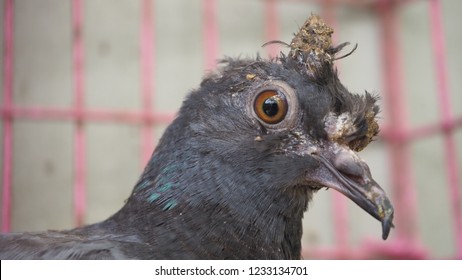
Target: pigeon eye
x,y
270,106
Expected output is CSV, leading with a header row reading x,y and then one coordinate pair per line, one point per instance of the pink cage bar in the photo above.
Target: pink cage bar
x,y
397,134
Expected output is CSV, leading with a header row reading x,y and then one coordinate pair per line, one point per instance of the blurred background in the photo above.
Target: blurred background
x,y
89,86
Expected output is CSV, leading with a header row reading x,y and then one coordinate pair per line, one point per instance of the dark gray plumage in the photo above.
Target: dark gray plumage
x,y
233,174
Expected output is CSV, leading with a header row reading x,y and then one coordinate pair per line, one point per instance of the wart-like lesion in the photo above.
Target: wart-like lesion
x,y
343,129
339,126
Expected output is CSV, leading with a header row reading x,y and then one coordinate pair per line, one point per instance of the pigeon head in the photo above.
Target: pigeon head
x,y
233,174
249,148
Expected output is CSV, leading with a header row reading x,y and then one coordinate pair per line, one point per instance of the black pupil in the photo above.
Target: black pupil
x,y
270,106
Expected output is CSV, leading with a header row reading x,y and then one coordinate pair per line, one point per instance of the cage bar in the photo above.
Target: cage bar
x,y
79,99
271,27
424,131
436,24
147,78
210,33
86,115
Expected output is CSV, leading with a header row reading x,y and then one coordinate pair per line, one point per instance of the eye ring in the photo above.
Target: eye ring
x,y
285,94
271,106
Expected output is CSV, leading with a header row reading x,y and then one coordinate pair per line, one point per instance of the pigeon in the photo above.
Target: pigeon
x,y
232,176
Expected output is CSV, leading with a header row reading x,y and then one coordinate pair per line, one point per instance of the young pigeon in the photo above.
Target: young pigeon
x,y
233,174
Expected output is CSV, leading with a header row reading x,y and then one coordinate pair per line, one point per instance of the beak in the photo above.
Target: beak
x,y
343,170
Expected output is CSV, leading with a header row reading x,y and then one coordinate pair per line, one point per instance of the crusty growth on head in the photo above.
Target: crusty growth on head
x,y
312,44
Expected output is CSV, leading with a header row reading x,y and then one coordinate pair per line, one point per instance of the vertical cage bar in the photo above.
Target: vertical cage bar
x,y
79,137
147,91
7,118
399,154
271,27
439,57
210,33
